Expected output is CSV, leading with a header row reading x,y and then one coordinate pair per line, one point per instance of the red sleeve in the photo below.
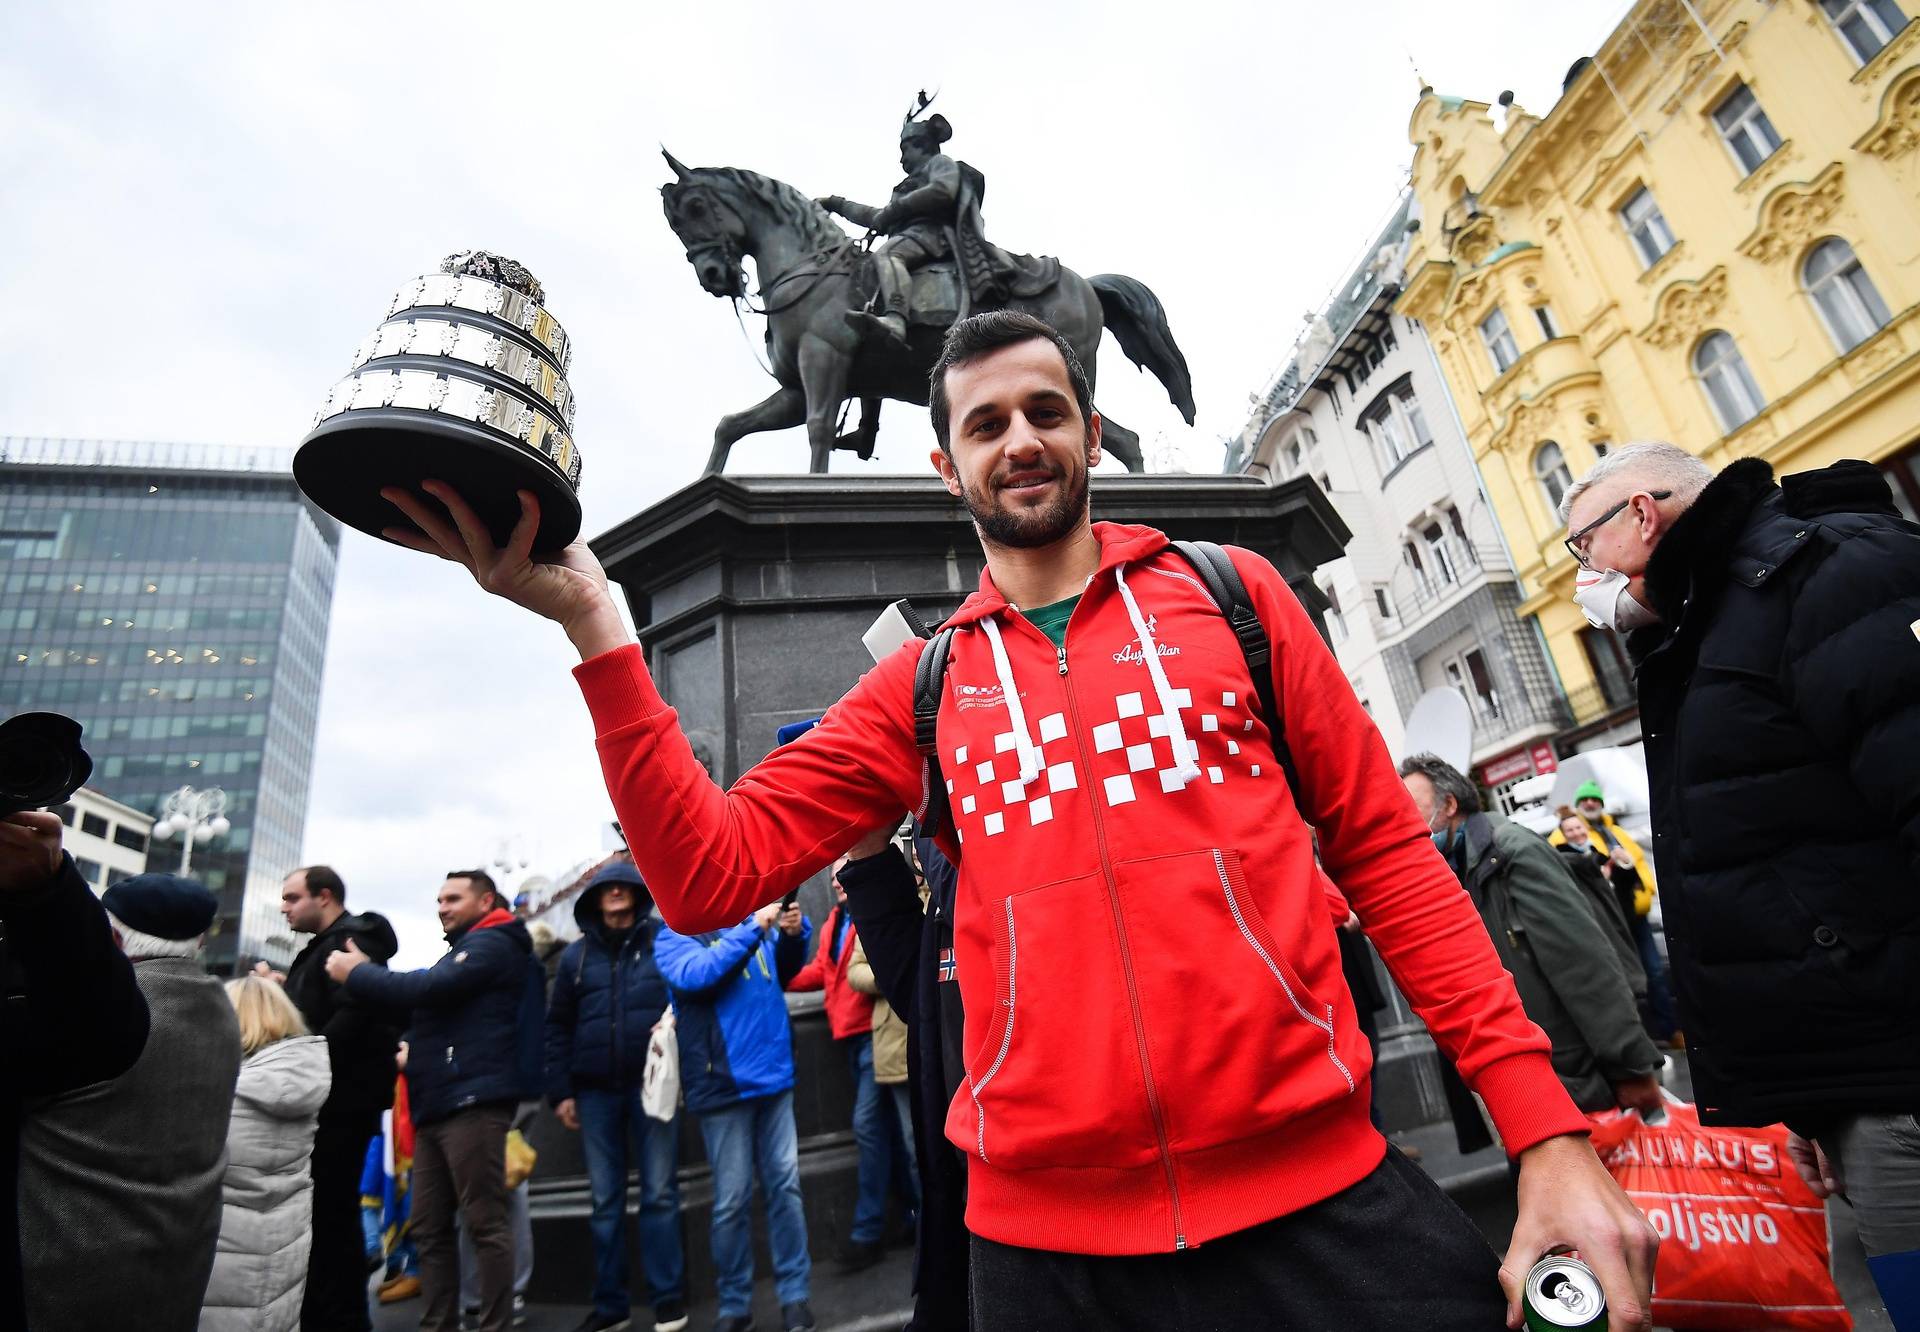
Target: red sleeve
x,y
1375,846
1337,905
710,856
813,976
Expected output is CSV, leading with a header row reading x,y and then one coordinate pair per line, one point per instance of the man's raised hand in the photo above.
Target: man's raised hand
x,y
569,589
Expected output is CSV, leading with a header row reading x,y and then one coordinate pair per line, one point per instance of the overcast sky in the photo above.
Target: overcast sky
x,y
208,206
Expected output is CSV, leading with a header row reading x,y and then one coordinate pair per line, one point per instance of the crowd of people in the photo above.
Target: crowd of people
x,y
1098,1023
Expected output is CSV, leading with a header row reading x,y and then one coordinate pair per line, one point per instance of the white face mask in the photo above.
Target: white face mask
x,y
1603,597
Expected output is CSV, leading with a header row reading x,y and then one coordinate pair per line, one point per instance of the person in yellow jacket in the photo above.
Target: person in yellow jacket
x,y
1619,846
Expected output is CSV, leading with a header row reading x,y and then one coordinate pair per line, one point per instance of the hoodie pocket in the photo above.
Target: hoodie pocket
x,y
1056,1078
1239,1043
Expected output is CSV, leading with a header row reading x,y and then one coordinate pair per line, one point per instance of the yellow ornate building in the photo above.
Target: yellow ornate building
x,y
1712,238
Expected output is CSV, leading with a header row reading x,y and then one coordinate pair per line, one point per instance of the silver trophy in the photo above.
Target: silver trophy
x,y
464,382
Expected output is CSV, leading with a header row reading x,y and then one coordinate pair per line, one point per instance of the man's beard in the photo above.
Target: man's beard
x,y
1025,529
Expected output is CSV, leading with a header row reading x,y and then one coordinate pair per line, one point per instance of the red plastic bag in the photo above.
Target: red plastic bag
x,y
1743,1241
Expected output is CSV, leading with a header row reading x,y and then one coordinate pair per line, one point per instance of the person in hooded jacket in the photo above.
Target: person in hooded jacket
x,y
607,995
1776,634
260,1263
361,1040
467,1068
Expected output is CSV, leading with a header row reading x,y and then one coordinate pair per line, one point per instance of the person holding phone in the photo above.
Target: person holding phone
x,y
736,1071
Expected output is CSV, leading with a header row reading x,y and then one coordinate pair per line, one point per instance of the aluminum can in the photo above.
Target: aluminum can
x,y
1562,1293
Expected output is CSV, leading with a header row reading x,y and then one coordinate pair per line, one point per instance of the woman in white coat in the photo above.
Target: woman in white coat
x,y
266,1220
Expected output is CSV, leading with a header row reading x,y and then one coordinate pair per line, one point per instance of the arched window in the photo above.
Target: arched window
x,y
1729,384
1550,470
1845,294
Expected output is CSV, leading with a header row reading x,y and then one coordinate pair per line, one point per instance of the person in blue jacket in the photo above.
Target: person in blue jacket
x,y
607,995
469,1062
736,1072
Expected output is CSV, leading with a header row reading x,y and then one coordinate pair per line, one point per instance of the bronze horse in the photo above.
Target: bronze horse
x,y
809,276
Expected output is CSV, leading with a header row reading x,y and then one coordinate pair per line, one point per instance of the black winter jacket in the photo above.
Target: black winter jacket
x,y
911,953
475,1033
603,1006
1780,698
361,1039
70,1015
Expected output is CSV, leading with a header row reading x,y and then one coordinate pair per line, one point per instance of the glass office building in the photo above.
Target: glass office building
x,y
174,600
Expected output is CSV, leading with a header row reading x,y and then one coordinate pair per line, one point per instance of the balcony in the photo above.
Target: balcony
x,y
1591,702
1447,568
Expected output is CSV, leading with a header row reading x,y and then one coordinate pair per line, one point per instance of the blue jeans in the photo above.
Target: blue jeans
x,y
756,1138
609,1122
870,1136
1659,992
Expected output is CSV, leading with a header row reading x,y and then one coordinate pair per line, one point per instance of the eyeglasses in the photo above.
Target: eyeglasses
x,y
1577,543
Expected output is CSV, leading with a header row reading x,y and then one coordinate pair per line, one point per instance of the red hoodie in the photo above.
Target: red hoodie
x,y
1160,1047
849,1012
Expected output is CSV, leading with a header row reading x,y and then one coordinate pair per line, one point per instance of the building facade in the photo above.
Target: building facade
x,y
1425,596
107,840
174,600
1712,238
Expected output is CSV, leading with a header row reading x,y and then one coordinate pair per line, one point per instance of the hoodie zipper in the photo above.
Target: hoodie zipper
x,y
1126,951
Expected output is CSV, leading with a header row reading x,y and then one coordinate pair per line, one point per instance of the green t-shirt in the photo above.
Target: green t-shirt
x,y
1052,620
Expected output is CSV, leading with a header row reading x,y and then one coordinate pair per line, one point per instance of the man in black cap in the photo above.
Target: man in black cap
x,y
361,1041
120,1181
70,1012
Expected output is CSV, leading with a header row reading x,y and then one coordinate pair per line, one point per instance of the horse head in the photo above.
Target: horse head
x,y
709,225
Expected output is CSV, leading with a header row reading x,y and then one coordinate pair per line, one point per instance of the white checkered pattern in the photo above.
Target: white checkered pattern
x,y
1133,757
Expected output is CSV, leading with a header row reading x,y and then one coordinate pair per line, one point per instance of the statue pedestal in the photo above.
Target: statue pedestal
x,y
750,594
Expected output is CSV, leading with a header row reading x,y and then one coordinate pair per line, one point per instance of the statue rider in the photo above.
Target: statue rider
x,y
916,221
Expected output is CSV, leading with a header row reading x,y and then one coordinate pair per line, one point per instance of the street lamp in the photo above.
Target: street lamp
x,y
194,816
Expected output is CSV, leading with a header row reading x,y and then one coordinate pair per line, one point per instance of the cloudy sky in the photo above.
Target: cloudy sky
x,y
209,205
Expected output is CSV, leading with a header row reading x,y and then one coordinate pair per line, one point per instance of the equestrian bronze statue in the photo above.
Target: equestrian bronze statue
x,y
846,323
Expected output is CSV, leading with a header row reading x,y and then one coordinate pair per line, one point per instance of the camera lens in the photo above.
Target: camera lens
x,y
41,761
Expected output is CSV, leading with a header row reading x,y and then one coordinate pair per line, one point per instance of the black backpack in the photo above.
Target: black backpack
x,y
1229,593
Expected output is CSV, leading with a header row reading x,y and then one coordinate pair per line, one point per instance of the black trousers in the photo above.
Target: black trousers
x,y
1391,1253
336,1298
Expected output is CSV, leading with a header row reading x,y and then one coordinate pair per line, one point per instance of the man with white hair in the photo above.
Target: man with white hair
x,y
1776,632
120,1181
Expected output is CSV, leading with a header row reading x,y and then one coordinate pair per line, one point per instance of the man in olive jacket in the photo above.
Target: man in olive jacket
x,y
1776,631
120,1181
1549,937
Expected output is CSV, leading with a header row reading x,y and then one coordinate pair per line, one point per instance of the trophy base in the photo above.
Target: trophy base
x,y
346,461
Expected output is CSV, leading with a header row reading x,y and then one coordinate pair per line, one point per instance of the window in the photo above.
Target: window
x,y
1445,563
93,825
1646,227
89,869
1499,339
1549,326
1486,698
1550,470
66,814
1336,626
1729,384
1749,135
131,838
1844,293
1611,669
1864,25
1396,425
1383,600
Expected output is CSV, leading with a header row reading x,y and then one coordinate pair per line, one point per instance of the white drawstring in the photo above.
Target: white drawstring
x,y
1185,768
1016,715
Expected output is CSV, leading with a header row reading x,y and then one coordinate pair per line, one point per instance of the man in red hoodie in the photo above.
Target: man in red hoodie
x,y
1164,1127
850,1018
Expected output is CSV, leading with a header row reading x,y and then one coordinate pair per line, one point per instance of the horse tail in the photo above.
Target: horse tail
x,y
1137,318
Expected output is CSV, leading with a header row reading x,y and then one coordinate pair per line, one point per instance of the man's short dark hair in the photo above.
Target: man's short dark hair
x,y
1447,780
322,878
481,880
975,336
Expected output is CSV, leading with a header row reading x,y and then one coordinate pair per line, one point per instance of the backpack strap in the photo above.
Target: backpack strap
x,y
1229,593
929,679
